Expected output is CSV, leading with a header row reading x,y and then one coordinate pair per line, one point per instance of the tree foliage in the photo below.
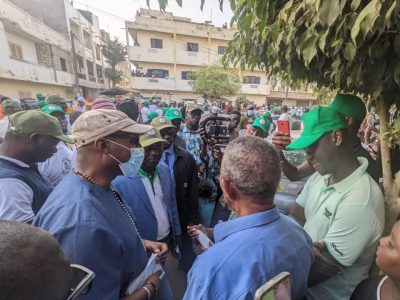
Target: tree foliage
x,y
215,82
114,52
352,45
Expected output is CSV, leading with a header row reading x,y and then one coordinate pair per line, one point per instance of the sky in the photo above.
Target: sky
x,y
112,14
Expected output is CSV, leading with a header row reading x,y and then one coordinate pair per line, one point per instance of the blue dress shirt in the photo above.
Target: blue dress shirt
x,y
248,252
95,232
169,158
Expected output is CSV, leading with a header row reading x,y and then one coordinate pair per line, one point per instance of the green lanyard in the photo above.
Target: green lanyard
x,y
151,177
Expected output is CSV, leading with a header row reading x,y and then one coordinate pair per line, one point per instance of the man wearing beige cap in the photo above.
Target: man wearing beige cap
x,y
31,138
93,224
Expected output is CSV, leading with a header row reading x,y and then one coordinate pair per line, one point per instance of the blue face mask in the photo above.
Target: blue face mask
x,y
132,166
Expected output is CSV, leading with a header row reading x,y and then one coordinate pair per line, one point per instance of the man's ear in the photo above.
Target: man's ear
x,y
230,191
337,137
102,145
34,138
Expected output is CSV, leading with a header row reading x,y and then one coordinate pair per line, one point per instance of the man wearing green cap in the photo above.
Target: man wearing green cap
x,y
31,138
260,127
152,115
41,98
145,112
352,108
341,207
153,199
60,164
183,169
176,118
57,100
10,107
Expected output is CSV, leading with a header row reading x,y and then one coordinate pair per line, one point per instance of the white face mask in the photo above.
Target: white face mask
x,y
133,165
128,167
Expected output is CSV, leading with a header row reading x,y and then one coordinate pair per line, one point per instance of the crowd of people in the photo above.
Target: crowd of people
x,y
88,194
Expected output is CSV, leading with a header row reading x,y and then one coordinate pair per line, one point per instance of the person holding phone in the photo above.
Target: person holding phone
x,y
252,248
353,109
260,127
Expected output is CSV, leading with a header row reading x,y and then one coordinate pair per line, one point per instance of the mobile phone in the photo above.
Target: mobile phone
x,y
278,288
283,127
218,130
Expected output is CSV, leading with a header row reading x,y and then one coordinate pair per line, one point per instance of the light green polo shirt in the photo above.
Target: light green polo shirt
x,y
349,217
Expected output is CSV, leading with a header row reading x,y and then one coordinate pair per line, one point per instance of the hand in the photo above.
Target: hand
x,y
155,279
192,231
159,248
217,153
280,140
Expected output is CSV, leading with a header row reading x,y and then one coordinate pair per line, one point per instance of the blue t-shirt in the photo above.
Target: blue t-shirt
x,y
248,252
95,232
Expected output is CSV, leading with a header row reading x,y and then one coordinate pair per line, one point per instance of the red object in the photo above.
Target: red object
x,y
283,127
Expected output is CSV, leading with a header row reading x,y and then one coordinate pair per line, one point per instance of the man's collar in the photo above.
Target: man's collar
x,y
15,161
224,229
185,129
170,149
347,183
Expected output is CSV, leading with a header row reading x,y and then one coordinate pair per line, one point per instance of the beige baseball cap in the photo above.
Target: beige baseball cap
x,y
151,137
99,123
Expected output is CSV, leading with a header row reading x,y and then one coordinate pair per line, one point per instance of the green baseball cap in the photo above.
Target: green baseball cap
x,y
11,103
173,113
33,121
145,103
262,124
266,114
54,99
40,96
151,137
317,122
152,115
50,109
194,106
161,123
349,105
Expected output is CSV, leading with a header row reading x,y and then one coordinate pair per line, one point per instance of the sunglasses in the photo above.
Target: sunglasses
x,y
81,282
167,131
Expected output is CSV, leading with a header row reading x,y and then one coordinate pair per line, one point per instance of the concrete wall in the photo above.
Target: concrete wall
x,y
28,47
50,12
45,57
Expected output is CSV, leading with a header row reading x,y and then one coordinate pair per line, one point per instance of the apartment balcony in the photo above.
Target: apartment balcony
x,y
27,71
144,54
82,76
100,80
92,78
154,84
183,86
254,89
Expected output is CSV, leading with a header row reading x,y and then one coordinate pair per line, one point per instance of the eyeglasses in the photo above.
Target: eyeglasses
x,y
167,131
81,282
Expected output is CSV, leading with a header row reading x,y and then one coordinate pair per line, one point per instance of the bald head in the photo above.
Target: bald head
x,y
252,165
32,264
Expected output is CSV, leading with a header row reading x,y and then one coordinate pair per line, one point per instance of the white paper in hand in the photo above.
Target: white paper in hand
x,y
151,268
204,241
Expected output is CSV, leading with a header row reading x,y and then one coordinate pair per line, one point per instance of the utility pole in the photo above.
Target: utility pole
x,y
74,63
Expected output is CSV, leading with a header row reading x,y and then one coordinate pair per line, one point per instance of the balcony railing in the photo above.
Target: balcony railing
x,y
100,80
82,76
92,78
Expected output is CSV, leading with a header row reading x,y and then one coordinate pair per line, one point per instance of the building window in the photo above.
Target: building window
x,y
81,64
63,64
99,71
156,43
251,79
221,50
97,52
192,47
16,51
188,75
157,73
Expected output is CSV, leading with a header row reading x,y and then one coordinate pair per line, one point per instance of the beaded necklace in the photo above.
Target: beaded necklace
x,y
120,202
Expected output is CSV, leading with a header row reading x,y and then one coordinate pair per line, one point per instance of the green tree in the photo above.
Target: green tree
x,y
324,95
114,52
215,82
349,45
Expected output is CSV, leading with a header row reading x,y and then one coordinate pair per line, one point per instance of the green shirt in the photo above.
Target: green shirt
x,y
349,217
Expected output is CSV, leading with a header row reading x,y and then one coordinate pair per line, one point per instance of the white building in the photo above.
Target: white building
x,y
81,31
166,50
34,57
